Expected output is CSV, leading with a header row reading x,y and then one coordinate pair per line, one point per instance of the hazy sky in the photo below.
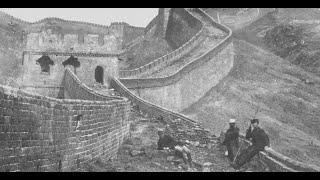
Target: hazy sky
x,y
133,16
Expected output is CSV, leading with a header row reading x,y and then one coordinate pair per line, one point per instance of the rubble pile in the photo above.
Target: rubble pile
x,y
139,153
191,132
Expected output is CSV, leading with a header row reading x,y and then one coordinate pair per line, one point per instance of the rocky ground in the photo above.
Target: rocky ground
x,y
139,154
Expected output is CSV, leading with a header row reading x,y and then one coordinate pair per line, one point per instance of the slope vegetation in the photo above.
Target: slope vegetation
x,y
288,106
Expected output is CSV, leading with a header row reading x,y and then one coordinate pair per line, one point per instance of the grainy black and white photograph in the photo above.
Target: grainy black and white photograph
x,y
159,90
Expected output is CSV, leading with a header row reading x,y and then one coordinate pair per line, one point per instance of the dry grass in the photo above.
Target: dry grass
x,y
150,48
288,107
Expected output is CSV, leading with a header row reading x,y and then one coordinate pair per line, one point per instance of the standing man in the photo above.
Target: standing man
x,y
259,142
232,139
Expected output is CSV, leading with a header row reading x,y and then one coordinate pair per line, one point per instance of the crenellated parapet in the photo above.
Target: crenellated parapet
x,y
47,40
72,36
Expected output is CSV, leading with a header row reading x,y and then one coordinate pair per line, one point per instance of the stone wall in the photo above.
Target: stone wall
x,y
168,58
49,83
181,26
193,85
184,127
55,34
74,88
192,81
48,40
187,129
162,23
38,133
276,162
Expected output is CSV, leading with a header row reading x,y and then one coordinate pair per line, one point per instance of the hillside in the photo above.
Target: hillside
x,y
146,50
286,95
289,108
181,27
11,45
306,19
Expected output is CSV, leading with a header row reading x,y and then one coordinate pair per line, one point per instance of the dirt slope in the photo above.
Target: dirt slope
x,y
288,98
146,50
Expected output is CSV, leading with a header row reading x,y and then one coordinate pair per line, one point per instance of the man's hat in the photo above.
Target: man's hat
x,y
254,121
232,121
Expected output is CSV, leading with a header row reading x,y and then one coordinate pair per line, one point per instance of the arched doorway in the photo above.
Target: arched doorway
x,y
99,74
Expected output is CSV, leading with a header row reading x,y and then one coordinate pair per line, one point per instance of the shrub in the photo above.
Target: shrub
x,y
284,40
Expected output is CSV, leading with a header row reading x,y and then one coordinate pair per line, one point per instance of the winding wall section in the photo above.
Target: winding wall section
x,y
191,81
168,58
272,160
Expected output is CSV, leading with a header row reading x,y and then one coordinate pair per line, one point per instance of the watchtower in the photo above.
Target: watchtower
x,y
164,14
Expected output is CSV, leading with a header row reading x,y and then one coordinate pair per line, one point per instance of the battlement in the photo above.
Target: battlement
x,y
82,42
54,20
72,36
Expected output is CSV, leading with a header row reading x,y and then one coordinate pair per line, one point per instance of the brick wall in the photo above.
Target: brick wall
x,y
48,84
74,88
38,133
48,40
184,127
186,86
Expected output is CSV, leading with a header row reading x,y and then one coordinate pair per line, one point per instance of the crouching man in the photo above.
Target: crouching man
x,y
179,148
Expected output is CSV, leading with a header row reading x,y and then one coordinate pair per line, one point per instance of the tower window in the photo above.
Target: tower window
x,y
45,63
72,61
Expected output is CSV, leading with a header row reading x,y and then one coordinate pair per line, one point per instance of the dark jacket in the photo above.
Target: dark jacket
x,y
258,137
166,141
232,137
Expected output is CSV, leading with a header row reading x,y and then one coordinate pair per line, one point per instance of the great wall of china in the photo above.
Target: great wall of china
x,y
44,133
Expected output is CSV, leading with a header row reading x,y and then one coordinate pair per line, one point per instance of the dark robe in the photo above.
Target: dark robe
x,y
259,140
166,141
231,141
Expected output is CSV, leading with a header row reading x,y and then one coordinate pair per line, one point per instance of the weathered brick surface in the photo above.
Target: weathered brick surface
x,y
39,133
